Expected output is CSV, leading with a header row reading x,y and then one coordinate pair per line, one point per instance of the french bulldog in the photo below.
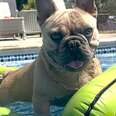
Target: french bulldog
x,y
66,60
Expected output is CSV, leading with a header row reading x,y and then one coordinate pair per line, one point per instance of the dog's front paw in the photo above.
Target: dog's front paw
x,y
41,106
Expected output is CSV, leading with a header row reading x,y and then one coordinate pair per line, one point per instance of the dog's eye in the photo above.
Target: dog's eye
x,y
88,32
56,36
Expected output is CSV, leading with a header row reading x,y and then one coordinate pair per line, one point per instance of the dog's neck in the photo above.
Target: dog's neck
x,y
50,67
67,79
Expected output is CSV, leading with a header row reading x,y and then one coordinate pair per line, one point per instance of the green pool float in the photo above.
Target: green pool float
x,y
5,68
4,111
96,98
7,112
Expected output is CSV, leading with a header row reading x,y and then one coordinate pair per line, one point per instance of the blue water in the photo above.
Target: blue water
x,y
107,59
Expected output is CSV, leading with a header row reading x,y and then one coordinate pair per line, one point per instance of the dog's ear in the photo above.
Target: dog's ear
x,y
87,5
46,8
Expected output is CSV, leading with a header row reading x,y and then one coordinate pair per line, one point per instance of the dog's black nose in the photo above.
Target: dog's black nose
x,y
77,47
73,43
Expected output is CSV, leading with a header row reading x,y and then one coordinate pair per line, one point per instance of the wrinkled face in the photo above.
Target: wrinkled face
x,y
70,38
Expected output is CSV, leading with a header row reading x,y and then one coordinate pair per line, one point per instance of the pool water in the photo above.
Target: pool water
x,y
107,58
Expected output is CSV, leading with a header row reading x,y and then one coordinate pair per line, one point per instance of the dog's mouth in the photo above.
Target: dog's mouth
x,y
75,64
68,63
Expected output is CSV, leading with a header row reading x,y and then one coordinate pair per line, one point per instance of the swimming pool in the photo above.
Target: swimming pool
x,y
107,56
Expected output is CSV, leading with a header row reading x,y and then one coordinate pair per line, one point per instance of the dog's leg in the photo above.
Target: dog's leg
x,y
41,106
4,96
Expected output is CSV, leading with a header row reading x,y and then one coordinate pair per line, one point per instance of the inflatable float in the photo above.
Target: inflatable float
x,y
96,98
4,111
7,112
4,69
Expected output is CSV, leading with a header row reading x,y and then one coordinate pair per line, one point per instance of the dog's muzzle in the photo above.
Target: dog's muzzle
x,y
77,46
74,43
78,50
73,52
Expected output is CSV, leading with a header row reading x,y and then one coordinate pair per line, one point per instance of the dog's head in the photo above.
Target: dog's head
x,y
70,35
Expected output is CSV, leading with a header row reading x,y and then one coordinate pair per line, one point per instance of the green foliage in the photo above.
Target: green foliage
x,y
110,6
106,6
29,5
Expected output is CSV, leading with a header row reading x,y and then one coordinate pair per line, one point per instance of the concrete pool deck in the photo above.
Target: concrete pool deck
x,y
34,42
